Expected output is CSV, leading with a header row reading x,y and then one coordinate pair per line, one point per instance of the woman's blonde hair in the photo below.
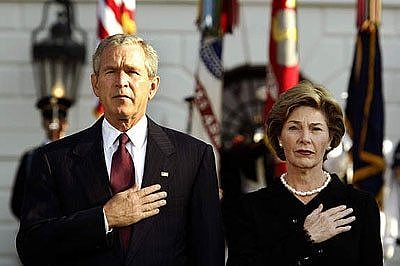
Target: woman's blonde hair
x,y
305,93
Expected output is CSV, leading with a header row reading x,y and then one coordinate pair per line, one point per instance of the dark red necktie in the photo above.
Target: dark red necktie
x,y
122,178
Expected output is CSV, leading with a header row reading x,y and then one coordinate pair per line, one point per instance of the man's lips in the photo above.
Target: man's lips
x,y
122,97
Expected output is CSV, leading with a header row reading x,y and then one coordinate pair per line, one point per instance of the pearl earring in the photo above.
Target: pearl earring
x,y
280,144
329,148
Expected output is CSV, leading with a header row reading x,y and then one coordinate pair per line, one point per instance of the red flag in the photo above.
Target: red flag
x,y
114,16
283,53
229,15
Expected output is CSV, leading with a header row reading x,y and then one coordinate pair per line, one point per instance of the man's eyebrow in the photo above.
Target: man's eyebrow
x,y
108,67
130,67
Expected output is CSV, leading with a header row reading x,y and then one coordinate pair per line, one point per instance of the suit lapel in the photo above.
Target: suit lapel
x,y
159,149
91,166
158,168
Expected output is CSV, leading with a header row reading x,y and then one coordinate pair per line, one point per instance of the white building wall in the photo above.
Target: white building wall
x,y
326,44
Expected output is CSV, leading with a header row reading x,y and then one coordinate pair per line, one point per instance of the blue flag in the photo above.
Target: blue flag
x,y
365,111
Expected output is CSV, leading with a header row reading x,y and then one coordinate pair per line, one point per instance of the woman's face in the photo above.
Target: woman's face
x,y
305,138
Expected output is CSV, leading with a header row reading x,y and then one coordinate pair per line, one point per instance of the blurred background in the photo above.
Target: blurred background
x,y
325,46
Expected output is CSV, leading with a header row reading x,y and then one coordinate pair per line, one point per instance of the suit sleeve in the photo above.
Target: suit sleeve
x,y
19,184
206,231
45,232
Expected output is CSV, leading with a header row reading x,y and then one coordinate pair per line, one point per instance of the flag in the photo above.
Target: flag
x,y
283,56
365,110
215,17
283,49
209,88
229,15
114,16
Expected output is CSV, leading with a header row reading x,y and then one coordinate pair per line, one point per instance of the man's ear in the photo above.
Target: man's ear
x,y
93,80
155,82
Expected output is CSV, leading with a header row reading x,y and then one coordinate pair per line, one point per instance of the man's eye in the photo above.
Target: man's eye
x,y
110,71
132,72
292,128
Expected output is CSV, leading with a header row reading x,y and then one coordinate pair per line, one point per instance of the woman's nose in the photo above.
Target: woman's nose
x,y
305,135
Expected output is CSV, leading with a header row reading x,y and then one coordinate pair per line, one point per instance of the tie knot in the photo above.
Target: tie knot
x,y
123,139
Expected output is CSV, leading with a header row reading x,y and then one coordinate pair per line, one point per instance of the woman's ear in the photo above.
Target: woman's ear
x,y
280,142
329,148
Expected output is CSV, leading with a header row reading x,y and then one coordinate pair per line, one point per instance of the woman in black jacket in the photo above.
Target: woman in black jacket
x,y
307,216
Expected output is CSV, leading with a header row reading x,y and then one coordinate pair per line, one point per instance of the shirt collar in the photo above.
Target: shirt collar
x,y
137,134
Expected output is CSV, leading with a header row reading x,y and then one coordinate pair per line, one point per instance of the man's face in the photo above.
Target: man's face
x,y
123,85
58,133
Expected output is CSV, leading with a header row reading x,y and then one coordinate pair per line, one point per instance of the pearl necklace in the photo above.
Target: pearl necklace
x,y
306,193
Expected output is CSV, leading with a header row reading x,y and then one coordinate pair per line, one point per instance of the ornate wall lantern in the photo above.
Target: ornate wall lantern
x,y
58,53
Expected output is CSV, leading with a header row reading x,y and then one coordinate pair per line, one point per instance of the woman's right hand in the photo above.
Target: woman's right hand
x,y
323,225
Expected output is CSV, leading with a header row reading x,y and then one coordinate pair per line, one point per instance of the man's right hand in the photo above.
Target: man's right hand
x,y
132,205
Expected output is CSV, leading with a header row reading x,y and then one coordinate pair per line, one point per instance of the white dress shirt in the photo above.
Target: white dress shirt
x,y
136,147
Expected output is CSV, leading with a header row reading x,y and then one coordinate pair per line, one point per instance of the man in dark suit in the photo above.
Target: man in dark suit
x,y
72,213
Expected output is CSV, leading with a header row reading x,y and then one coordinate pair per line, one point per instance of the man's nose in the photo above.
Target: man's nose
x,y
122,79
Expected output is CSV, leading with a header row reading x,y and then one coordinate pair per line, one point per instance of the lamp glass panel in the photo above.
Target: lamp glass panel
x,y
58,78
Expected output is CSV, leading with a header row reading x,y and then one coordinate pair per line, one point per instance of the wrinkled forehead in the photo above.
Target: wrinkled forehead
x,y
123,55
306,114
127,49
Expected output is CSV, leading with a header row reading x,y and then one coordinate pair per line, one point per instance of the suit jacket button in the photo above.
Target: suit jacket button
x,y
304,261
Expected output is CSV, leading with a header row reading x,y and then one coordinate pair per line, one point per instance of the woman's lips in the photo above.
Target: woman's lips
x,y
305,152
